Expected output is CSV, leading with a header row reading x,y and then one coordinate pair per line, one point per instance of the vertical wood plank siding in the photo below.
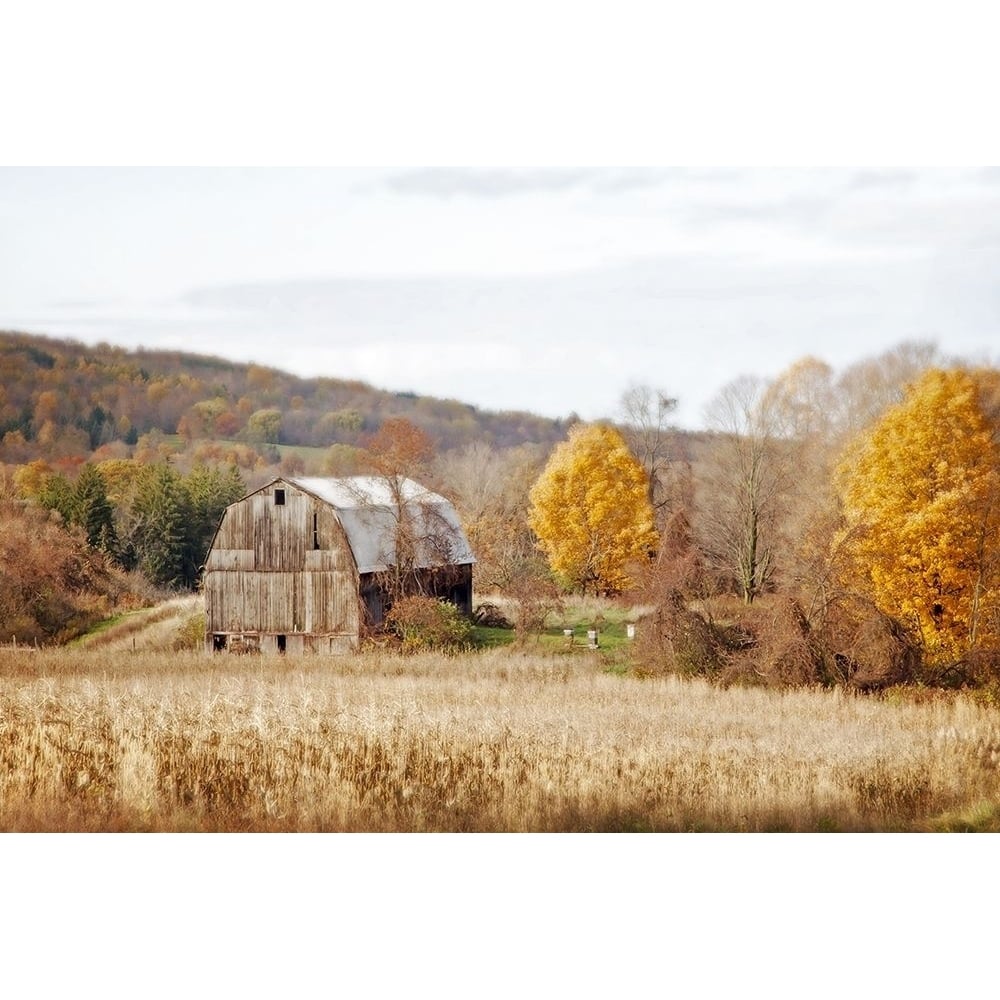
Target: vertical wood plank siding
x,y
263,574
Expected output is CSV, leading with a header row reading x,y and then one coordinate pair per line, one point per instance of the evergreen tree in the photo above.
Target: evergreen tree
x,y
57,494
209,491
162,534
92,510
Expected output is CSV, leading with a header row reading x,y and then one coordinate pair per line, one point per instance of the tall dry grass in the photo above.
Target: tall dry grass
x,y
499,741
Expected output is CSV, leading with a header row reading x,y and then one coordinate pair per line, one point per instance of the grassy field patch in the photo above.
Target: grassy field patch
x,y
504,739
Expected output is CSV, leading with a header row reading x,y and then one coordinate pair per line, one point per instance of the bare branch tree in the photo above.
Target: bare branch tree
x,y
490,490
742,485
652,440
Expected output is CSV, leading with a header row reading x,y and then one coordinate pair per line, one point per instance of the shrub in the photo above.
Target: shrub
x,y
53,587
490,616
865,648
190,634
777,645
676,639
426,623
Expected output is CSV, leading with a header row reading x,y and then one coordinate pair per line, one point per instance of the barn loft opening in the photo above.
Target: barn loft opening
x,y
279,498
315,531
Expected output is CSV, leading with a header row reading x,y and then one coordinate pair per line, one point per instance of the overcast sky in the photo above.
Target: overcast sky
x,y
549,290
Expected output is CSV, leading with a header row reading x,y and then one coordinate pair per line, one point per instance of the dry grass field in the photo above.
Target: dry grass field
x,y
502,740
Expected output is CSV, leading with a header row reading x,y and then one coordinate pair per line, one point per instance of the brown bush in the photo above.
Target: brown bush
x,y
490,616
984,667
777,645
52,586
865,648
674,639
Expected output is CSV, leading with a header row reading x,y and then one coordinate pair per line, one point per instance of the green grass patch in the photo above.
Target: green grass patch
x,y
577,614
102,626
484,637
611,635
308,453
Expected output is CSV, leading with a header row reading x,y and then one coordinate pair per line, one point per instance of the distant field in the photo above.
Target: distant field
x,y
500,740
309,454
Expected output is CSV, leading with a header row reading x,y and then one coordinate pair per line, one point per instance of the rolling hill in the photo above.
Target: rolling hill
x,y
62,398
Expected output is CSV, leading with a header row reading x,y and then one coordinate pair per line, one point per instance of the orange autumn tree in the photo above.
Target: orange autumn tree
x,y
921,502
398,449
590,510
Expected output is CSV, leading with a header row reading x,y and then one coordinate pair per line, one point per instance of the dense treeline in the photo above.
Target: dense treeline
x,y
146,517
59,398
118,536
838,529
826,527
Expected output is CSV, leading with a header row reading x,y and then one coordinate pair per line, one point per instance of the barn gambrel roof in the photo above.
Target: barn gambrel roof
x,y
367,508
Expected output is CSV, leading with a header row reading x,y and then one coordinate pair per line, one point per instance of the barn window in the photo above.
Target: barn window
x,y
315,531
281,643
279,498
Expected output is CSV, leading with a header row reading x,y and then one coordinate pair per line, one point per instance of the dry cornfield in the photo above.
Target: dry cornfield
x,y
494,741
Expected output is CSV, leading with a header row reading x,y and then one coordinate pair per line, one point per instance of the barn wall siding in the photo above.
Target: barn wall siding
x,y
288,570
281,602
264,575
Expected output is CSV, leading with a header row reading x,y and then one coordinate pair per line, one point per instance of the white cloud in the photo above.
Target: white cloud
x,y
547,290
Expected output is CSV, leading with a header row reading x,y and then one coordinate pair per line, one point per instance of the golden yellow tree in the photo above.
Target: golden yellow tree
x,y
590,510
922,511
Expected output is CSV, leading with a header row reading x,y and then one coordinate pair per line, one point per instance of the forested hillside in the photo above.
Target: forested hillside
x,y
60,399
116,465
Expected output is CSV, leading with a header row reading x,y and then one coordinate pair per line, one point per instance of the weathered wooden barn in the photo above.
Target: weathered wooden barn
x,y
308,564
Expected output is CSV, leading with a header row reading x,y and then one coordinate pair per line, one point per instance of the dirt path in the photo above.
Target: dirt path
x,y
155,628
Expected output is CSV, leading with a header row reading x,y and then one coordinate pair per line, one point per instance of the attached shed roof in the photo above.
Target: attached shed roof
x,y
367,509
